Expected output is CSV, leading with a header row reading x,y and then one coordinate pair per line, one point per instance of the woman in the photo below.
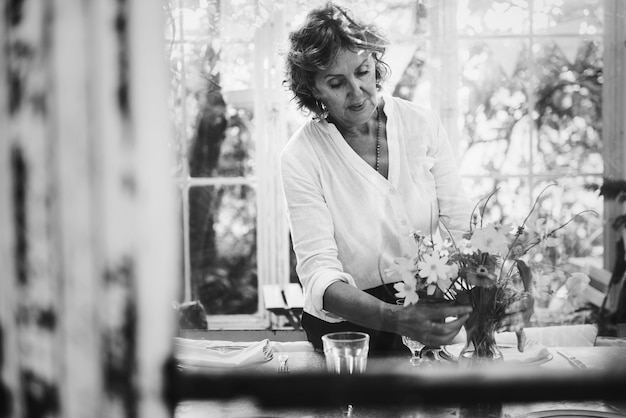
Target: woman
x,y
359,179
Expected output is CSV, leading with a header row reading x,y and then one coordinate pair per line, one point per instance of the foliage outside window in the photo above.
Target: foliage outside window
x,y
530,106
518,84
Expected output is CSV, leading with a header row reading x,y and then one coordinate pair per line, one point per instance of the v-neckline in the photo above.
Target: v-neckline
x,y
359,163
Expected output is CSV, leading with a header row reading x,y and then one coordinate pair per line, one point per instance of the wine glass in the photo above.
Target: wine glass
x,y
416,350
438,353
415,346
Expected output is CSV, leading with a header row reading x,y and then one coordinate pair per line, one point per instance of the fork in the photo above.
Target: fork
x,y
573,361
282,366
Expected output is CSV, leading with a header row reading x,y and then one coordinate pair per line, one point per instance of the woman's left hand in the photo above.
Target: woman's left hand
x,y
517,315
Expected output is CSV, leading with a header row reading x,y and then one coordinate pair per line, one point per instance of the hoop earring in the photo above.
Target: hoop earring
x,y
323,109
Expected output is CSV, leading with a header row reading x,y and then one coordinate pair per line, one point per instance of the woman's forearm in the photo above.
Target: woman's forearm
x,y
360,307
424,322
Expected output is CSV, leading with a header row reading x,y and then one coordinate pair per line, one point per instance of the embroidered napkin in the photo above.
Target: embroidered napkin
x,y
191,353
580,335
534,352
292,346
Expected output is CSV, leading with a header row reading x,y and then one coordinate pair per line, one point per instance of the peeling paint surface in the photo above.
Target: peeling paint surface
x,y
6,403
19,182
121,29
120,335
35,246
14,11
80,174
41,398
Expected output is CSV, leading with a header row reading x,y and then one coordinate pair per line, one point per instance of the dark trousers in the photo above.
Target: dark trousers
x,y
380,341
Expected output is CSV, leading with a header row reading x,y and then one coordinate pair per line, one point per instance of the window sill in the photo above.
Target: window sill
x,y
243,334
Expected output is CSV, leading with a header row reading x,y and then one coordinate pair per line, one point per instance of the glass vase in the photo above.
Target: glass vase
x,y
481,346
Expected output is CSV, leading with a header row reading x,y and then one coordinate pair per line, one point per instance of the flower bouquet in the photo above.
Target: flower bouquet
x,y
486,268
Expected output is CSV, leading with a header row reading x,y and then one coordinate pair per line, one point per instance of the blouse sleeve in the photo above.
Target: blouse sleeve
x,y
311,228
454,205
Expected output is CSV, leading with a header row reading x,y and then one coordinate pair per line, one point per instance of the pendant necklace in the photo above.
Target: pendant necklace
x,y
378,139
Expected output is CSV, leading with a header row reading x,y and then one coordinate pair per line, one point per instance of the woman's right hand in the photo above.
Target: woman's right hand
x,y
427,323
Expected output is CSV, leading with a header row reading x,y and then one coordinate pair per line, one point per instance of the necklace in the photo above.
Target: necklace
x,y
378,140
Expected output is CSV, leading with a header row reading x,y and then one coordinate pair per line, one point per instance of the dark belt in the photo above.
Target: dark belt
x,y
380,341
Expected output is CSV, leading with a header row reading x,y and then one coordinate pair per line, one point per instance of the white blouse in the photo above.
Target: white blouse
x,y
347,221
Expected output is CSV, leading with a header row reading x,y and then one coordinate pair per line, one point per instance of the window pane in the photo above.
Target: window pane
x,y
222,148
182,286
220,133
568,104
207,64
577,17
177,112
198,19
529,114
171,29
222,238
493,105
236,66
510,202
481,17
189,20
570,200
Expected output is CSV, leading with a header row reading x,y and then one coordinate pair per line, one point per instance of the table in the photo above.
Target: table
x,y
311,367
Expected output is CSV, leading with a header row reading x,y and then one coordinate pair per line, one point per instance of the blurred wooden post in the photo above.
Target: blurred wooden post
x,y
88,240
445,74
613,114
270,104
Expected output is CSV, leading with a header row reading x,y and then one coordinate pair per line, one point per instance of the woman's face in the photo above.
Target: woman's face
x,y
348,88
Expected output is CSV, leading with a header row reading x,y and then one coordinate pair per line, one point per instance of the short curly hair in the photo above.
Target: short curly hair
x,y
316,44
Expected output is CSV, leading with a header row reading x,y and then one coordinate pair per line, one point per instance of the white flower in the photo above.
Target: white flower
x,y
504,228
542,227
404,266
576,285
453,272
433,267
407,290
444,284
489,240
430,290
466,247
535,224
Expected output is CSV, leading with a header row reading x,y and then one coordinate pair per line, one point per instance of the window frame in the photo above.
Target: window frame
x,y
271,104
444,33
613,119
